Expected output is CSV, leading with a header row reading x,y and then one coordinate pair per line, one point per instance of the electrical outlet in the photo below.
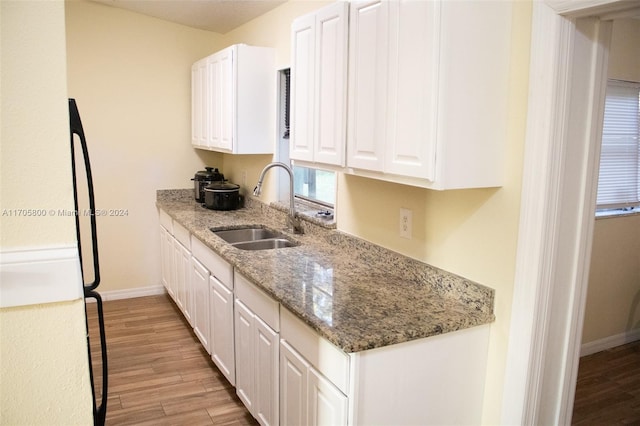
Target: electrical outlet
x,y
405,223
243,178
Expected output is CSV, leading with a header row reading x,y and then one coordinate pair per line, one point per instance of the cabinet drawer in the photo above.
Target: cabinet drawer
x,y
166,221
258,301
332,362
181,234
218,267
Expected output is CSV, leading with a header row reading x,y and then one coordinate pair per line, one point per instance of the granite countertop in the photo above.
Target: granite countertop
x,y
355,294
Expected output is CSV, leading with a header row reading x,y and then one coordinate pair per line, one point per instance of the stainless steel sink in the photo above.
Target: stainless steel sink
x,y
254,238
246,234
265,244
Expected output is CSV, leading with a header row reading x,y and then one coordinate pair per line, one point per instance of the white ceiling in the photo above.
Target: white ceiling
x,y
218,16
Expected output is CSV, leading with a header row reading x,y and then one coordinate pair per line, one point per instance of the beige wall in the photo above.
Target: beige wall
x,y
131,77
624,58
472,233
35,157
613,298
44,374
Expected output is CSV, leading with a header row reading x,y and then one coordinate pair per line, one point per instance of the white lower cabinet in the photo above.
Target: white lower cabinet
x,y
182,286
245,365
200,288
256,341
256,365
166,259
432,381
327,405
176,263
166,252
222,340
293,386
306,396
214,306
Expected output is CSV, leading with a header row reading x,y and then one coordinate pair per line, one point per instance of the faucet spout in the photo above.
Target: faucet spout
x,y
293,221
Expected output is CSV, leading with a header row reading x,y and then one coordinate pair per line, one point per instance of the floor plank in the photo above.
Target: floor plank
x,y
608,389
159,374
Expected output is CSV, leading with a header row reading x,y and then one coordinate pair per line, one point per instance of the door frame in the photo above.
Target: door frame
x,y
568,70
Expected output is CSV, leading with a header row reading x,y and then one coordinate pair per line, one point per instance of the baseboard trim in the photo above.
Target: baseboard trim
x,y
30,276
609,342
130,293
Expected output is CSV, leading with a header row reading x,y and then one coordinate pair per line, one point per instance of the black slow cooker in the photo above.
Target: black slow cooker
x,y
204,178
222,195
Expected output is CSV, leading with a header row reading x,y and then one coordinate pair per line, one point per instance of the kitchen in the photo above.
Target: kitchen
x,y
132,74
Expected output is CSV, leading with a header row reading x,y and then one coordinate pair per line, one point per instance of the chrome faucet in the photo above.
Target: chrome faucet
x,y
294,223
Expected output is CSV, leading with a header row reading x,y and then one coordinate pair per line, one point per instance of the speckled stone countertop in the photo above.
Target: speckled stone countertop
x,y
355,294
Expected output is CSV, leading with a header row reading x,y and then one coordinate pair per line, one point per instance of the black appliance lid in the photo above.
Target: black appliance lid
x,y
222,186
210,174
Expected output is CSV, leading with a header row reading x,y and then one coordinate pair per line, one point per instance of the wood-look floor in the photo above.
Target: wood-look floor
x,y
608,390
159,374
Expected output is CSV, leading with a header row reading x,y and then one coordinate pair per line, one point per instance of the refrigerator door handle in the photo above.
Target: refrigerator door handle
x,y
76,129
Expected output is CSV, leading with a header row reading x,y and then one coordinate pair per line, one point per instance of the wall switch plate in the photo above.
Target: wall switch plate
x,y
405,223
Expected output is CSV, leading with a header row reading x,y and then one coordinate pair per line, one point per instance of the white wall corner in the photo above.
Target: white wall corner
x,y
32,276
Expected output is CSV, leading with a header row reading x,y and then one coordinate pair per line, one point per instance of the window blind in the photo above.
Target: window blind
x,y
287,97
619,179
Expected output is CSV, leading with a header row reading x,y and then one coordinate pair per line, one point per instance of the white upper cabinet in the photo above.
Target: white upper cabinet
x,y
473,84
302,88
427,91
199,104
220,81
319,85
412,98
234,101
368,76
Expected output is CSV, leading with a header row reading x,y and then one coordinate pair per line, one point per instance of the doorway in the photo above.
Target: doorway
x,y
567,80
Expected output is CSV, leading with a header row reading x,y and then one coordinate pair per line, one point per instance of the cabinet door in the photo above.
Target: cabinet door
x,y
222,344
293,387
220,97
266,373
368,64
181,283
200,288
166,253
327,405
331,83
199,104
214,98
244,343
413,93
302,87
227,94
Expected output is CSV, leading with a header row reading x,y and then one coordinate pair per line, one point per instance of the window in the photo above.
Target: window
x,y
315,185
619,179
310,184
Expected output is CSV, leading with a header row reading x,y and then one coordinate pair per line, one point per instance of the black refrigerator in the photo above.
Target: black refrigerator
x,y
83,181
